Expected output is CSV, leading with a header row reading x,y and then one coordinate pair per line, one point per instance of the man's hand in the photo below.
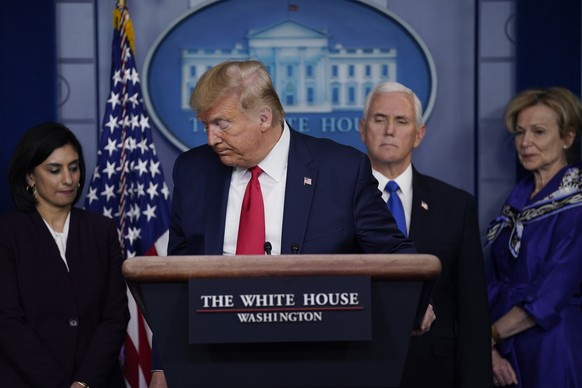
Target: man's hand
x,y
427,320
158,379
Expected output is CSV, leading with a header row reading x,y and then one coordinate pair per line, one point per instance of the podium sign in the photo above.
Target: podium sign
x,y
289,309
161,286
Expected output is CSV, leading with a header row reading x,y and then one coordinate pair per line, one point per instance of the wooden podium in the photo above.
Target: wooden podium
x,y
160,287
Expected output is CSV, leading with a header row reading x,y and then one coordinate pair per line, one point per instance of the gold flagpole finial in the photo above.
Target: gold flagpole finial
x,y
121,3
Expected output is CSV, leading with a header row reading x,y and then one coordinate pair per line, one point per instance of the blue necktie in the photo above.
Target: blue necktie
x,y
395,206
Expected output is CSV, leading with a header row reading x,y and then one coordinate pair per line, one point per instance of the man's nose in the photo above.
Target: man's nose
x,y
390,128
212,134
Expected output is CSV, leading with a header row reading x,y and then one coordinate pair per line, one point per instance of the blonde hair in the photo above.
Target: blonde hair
x,y
562,101
249,80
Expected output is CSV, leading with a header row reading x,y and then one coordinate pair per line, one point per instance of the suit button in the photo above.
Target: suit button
x,y
73,322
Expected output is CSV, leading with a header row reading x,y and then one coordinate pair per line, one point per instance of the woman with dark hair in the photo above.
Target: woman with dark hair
x,y
63,303
535,286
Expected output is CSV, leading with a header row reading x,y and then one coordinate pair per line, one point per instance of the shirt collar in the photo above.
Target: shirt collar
x,y
404,180
275,164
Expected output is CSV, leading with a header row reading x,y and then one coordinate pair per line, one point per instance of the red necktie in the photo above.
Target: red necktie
x,y
251,230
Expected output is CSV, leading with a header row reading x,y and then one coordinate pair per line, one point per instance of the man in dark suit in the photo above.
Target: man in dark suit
x,y
318,196
442,221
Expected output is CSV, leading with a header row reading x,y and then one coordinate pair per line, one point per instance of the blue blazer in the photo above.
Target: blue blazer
x,y
57,326
456,352
341,211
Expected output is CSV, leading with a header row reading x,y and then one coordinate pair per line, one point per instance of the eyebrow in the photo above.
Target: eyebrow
x,y
60,164
397,117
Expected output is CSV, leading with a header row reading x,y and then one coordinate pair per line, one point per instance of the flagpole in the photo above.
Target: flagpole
x,y
121,3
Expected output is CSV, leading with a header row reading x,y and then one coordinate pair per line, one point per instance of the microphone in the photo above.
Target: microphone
x,y
294,248
268,247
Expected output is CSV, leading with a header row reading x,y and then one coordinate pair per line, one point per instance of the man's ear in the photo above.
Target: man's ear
x,y
265,118
420,132
362,130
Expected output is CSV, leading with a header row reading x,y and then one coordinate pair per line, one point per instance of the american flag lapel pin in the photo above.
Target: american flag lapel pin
x,y
306,181
424,205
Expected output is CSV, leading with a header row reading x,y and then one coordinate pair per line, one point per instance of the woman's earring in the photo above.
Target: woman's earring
x,y
31,190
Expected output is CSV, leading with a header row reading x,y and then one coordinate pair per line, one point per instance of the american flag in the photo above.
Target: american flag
x,y
128,184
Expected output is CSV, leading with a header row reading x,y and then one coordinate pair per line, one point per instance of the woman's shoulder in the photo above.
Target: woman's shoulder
x,y
90,217
14,218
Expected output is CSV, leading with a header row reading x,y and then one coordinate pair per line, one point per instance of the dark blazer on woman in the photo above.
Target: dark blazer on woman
x,y
456,351
58,326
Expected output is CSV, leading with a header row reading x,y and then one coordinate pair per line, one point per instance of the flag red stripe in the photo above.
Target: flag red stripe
x,y
131,363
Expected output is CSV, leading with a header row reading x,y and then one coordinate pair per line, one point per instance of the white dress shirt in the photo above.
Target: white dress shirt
x,y
404,181
273,181
61,238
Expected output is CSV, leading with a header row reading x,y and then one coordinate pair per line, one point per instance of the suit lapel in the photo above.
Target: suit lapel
x,y
421,201
217,187
74,242
47,247
301,182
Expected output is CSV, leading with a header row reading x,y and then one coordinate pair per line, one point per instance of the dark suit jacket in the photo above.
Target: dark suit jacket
x,y
58,326
456,352
341,211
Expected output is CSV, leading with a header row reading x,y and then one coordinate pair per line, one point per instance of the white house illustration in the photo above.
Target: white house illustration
x,y
309,75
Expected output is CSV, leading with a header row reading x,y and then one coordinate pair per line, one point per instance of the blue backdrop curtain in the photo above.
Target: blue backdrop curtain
x,y
548,46
28,74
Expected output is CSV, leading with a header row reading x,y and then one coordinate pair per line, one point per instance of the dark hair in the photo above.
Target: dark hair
x,y
34,147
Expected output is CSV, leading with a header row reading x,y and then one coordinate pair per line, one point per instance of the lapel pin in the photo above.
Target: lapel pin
x,y
306,181
424,205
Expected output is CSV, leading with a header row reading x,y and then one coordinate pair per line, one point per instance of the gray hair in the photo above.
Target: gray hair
x,y
392,87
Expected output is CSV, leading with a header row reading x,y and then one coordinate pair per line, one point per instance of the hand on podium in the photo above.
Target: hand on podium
x,y
158,379
429,318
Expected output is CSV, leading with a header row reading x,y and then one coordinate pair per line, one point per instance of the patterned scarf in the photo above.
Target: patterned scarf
x,y
567,196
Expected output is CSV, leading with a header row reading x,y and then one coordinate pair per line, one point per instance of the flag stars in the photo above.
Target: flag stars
x,y
128,172
114,100
112,123
152,190
124,168
126,53
140,190
150,212
107,212
96,174
133,234
124,121
134,101
109,170
144,122
143,145
134,76
117,77
134,122
108,192
130,190
130,144
142,167
165,191
134,213
111,146
154,168
92,195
